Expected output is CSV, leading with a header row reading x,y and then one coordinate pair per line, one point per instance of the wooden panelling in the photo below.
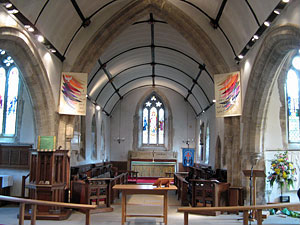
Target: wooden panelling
x,y
13,155
121,165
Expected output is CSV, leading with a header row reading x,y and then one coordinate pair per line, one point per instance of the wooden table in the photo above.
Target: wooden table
x,y
131,189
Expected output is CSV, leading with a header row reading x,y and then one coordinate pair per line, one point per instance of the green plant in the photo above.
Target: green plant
x,y
283,171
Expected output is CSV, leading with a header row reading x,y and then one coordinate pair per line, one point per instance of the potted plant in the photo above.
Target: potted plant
x,y
283,173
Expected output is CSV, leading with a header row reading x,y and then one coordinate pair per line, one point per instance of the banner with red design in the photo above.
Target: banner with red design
x,y
228,94
73,91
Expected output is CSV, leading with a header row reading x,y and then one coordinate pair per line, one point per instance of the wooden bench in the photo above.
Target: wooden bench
x,y
245,209
34,204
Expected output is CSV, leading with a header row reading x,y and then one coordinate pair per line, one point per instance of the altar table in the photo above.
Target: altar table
x,y
131,189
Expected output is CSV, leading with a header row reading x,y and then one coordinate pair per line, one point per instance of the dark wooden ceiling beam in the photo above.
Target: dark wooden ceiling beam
x,y
85,21
215,22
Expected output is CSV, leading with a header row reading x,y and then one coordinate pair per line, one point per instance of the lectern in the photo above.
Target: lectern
x,y
49,180
255,173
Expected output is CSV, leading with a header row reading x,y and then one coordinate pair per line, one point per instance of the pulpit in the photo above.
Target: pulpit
x,y
49,180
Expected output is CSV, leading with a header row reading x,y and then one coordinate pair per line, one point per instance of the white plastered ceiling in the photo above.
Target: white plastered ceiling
x,y
150,51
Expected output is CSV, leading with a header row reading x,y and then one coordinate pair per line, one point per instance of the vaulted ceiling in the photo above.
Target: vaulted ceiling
x,y
125,45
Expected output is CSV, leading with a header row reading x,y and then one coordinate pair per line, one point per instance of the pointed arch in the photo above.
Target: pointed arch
x,y
24,53
278,42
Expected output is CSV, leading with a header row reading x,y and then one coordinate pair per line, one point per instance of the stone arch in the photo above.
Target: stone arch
x,y
278,42
24,53
276,45
185,25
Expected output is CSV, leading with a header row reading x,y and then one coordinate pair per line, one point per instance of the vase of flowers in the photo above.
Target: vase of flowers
x,y
283,172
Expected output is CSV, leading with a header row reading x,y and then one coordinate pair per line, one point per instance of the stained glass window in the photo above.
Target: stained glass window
x,y
145,126
292,93
161,126
2,92
9,90
153,123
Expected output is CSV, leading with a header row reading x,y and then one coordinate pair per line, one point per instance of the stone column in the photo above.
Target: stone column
x,y
232,150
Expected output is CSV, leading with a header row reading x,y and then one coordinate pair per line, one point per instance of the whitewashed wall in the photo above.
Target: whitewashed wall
x,y
119,152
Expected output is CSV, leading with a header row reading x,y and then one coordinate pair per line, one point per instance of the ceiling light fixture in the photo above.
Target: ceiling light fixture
x,y
267,24
13,11
285,1
52,50
277,11
241,56
98,107
8,5
29,28
40,38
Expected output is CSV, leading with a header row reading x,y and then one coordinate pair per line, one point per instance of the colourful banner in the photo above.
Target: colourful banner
x,y
188,156
73,91
228,94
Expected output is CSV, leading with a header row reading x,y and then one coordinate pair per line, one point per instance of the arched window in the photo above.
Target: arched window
x,y
207,145
9,90
104,156
201,142
153,123
292,93
94,137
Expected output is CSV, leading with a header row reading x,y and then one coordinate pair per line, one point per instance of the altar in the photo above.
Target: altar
x,y
152,163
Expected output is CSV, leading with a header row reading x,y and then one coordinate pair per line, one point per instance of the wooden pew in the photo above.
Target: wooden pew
x,y
34,203
209,193
245,209
182,188
98,188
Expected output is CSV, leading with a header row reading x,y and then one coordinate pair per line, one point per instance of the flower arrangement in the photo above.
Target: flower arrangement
x,y
283,171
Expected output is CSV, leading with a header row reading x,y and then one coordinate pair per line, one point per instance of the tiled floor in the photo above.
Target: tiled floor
x,y
143,204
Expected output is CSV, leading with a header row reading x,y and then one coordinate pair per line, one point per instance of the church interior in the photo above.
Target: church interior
x,y
100,94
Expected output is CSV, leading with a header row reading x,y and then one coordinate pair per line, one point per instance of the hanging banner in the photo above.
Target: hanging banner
x,y
228,94
73,91
188,156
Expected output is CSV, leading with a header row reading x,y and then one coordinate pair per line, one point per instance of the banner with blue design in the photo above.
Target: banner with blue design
x,y
188,156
